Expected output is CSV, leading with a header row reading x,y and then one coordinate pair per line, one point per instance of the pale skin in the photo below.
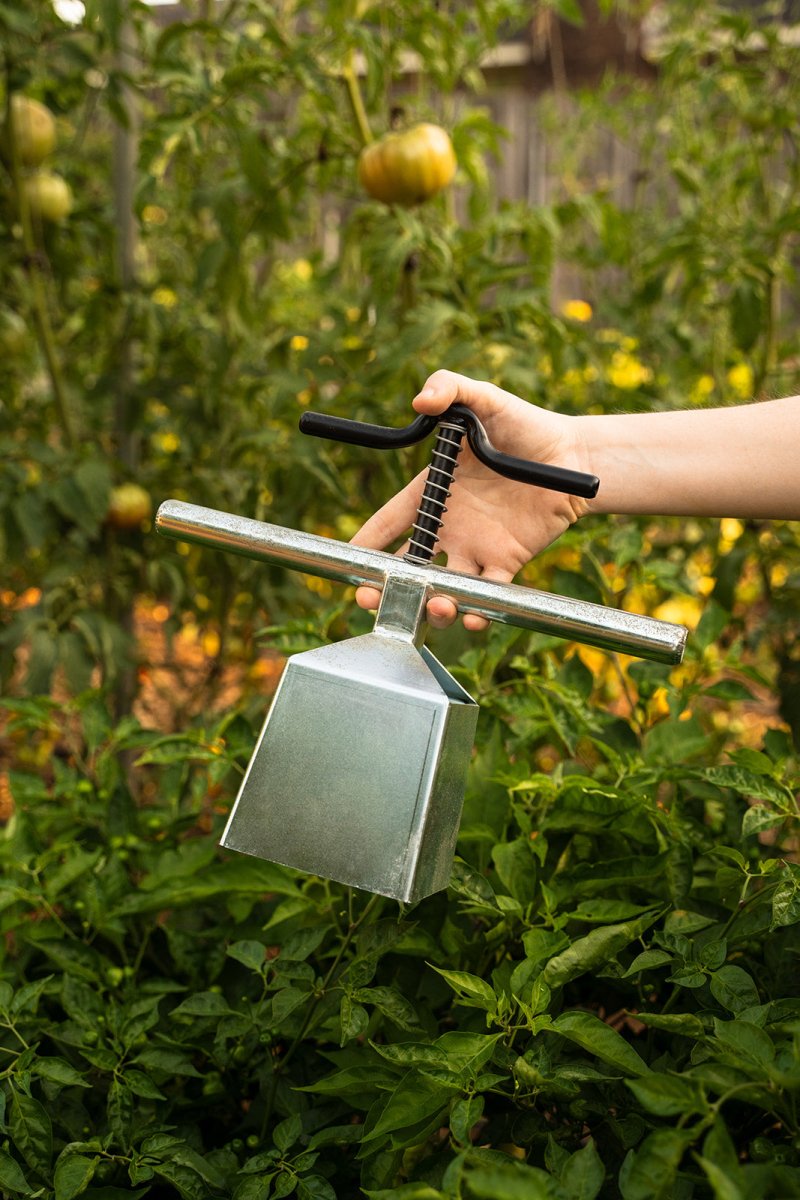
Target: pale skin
x,y
725,462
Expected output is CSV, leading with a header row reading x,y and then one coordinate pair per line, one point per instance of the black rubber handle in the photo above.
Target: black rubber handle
x,y
386,437
361,433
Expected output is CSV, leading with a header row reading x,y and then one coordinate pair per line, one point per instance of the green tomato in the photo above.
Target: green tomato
x,y
49,197
34,130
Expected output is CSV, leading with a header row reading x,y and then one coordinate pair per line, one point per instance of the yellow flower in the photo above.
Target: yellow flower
x,y
168,442
701,389
302,269
682,610
154,214
577,310
731,529
210,642
626,372
741,380
299,342
165,297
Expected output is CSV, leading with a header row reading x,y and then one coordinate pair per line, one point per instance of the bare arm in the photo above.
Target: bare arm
x,y
737,462
721,462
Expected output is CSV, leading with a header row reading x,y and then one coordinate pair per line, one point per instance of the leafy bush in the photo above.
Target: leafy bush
x,y
602,1004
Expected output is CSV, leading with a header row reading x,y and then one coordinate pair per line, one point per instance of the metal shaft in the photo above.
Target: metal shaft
x,y
508,603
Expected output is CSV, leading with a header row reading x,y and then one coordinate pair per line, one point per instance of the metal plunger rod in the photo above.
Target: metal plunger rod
x,y
508,603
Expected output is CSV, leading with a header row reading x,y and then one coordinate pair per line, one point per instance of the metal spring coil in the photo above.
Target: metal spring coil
x,y
432,506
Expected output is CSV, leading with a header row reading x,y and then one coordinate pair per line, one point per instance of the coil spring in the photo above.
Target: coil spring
x,y
431,510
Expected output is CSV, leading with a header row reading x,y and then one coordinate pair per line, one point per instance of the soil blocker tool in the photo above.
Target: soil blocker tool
x,y
359,772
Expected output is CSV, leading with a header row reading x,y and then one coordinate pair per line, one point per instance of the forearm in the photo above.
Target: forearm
x,y
725,462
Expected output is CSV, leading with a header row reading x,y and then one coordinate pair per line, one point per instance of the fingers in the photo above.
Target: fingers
x,y
471,621
392,520
442,611
368,597
444,388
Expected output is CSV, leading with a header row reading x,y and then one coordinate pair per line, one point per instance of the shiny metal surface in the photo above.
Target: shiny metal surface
x,y
561,616
359,772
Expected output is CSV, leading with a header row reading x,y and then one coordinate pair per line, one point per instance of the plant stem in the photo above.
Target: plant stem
x,y
33,259
280,1067
357,101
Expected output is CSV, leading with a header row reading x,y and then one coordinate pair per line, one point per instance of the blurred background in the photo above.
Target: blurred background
x,y
189,260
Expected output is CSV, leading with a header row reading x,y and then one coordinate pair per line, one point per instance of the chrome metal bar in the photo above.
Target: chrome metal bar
x,y
508,603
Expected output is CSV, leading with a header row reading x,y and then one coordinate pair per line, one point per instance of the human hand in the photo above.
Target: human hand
x,y
493,526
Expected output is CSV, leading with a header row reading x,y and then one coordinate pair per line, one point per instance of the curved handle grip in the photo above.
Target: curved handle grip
x,y
385,437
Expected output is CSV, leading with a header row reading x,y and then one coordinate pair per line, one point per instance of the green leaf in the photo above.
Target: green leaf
x,y
672,740
759,818
542,944
298,946
392,1003
415,1106
516,868
583,1173
354,1019
170,1062
72,1174
407,1191
56,1070
287,1132
786,901
734,988
600,1040
649,1172
746,1041
463,1115
470,989
508,1181
11,1175
31,1131
746,783
668,1095
204,1004
251,954
648,960
141,1085
119,1107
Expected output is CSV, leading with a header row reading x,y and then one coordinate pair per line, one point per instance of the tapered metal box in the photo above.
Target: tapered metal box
x,y
359,772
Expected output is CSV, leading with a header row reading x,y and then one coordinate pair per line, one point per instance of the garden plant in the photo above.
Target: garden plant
x,y
604,1002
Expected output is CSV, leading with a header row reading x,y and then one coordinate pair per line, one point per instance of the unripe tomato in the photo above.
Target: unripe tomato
x,y
408,167
49,196
129,505
34,130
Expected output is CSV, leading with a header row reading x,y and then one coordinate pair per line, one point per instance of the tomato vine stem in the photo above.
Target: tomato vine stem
x,y
357,101
41,316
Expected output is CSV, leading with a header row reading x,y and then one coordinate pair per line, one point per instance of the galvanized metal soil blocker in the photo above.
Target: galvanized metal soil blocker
x,y
359,772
